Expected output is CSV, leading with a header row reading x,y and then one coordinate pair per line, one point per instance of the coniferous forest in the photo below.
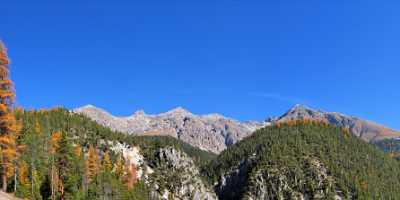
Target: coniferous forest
x,y
308,157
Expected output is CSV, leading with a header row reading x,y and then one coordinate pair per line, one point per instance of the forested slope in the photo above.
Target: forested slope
x,y
304,159
66,155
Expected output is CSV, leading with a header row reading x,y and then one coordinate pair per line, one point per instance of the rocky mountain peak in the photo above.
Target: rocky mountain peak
x,y
91,109
300,111
364,129
139,113
88,106
178,111
300,107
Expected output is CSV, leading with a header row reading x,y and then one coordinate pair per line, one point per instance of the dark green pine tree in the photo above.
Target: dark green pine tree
x,y
66,165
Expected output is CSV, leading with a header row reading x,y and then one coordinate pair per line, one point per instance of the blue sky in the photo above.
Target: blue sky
x,y
244,59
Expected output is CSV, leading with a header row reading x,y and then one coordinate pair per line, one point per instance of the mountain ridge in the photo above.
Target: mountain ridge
x,y
215,132
365,129
212,132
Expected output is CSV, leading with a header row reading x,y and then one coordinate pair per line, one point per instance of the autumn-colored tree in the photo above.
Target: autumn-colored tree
x,y
134,174
54,146
54,142
106,163
38,128
23,173
8,155
364,185
92,165
23,179
346,132
131,175
7,119
119,168
78,151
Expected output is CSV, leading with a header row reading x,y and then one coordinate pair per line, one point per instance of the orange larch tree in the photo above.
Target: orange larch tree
x,y
131,175
92,165
106,163
8,126
119,168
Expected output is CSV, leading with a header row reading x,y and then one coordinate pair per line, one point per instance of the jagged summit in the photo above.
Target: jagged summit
x,y
88,106
366,130
212,132
215,132
300,107
92,109
139,112
300,111
178,111
304,108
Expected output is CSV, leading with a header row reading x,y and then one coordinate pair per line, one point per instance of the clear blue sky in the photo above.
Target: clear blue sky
x,y
244,59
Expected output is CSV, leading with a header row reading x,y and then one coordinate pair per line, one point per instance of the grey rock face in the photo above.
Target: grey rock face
x,y
180,176
236,177
211,132
366,130
274,183
269,182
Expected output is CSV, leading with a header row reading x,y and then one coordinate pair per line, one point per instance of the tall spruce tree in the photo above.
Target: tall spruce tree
x,y
64,162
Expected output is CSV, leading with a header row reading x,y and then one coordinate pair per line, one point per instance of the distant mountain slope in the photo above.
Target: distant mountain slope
x,y
215,132
304,160
211,132
368,131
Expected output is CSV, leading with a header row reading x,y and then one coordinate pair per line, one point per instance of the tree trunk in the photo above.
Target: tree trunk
x,y
3,170
32,180
62,191
4,180
15,179
52,181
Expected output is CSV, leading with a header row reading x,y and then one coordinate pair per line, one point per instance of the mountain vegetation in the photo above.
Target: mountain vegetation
x,y
64,157
390,146
68,156
304,159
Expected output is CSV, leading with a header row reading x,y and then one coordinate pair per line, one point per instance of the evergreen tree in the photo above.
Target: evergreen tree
x,y
64,166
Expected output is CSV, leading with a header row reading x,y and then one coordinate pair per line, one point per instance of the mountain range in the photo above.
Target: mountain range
x,y
215,132
282,160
